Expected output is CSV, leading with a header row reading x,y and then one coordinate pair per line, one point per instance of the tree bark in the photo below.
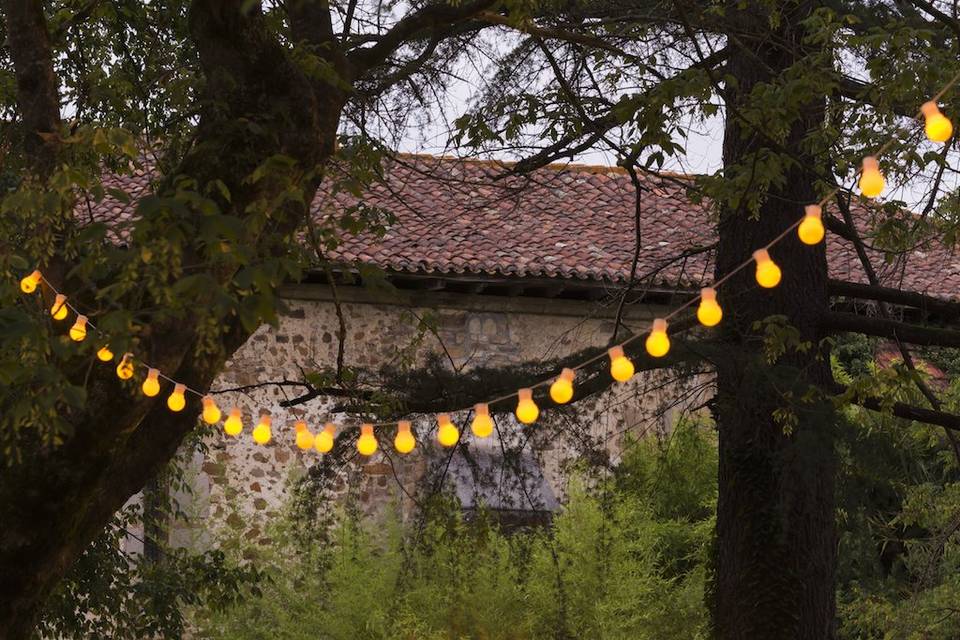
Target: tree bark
x,y
38,93
775,553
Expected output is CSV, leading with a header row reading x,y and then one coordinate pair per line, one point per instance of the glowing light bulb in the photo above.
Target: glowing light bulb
x,y
709,312
59,309
871,180
79,329
28,284
233,425
447,432
261,432
176,401
125,368
482,425
527,410
304,437
367,442
561,391
658,343
404,442
620,366
811,229
768,273
104,354
151,386
937,125
211,412
324,440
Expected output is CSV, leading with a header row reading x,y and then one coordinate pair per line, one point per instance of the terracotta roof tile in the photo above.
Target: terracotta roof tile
x,y
571,222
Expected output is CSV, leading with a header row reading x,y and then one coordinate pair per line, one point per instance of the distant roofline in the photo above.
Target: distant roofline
x,y
553,166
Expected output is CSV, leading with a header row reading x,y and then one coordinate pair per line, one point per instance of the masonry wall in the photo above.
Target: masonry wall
x,y
238,485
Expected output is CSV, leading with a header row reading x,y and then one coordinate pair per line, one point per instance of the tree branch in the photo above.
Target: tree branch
x,y
840,322
910,412
433,18
925,303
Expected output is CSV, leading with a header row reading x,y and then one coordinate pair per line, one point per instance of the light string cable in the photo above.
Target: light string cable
x,y
938,129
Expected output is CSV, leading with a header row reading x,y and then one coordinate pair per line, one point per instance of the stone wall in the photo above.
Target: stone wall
x,y
238,485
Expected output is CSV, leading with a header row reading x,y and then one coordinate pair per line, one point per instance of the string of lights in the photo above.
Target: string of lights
x,y
709,313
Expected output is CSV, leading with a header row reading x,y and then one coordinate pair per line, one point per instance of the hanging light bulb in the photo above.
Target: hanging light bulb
x,y
28,284
811,229
768,273
447,432
151,386
871,180
404,442
620,366
561,391
367,442
658,343
324,440
304,436
104,354
125,368
211,412
176,401
261,432
233,425
59,309
79,329
527,410
709,312
482,425
937,125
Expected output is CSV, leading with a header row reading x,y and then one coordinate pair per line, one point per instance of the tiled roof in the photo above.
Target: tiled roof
x,y
570,222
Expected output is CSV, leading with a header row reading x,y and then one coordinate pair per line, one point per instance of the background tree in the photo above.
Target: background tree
x,y
806,90
239,104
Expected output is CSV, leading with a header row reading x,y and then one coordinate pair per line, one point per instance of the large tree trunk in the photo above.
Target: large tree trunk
x,y
55,503
775,550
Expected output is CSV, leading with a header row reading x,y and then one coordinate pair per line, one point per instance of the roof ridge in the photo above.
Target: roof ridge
x,y
554,166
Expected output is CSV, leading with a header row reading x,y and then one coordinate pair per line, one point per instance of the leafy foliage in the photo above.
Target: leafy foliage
x,y
625,559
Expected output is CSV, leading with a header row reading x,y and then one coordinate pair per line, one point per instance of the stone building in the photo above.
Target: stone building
x,y
476,268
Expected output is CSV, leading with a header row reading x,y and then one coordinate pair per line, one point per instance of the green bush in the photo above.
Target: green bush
x,y
625,559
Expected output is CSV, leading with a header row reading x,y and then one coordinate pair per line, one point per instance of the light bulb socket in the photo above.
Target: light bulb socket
x,y
525,394
59,302
615,352
567,374
403,426
300,425
482,409
870,163
265,418
659,326
366,429
152,374
330,428
708,293
236,413
929,108
813,211
443,418
761,256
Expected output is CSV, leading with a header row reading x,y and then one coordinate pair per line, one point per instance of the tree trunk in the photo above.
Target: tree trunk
x,y
54,504
775,554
